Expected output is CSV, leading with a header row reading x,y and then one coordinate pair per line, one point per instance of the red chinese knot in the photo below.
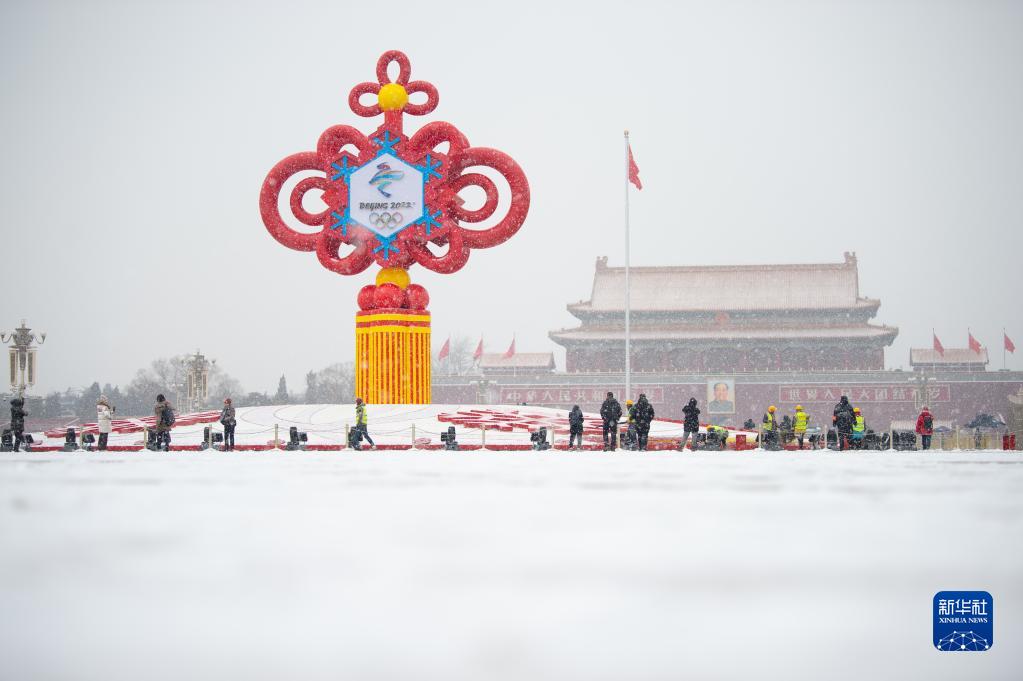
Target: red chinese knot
x,y
396,194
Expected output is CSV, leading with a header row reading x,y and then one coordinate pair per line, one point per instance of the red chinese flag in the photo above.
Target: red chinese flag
x,y
479,350
938,348
511,350
1008,343
974,344
634,171
445,349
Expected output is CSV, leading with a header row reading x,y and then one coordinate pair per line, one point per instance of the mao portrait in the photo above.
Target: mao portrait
x,y
721,396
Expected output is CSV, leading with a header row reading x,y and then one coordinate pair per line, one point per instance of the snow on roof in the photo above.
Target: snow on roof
x,y
520,360
951,356
730,287
881,332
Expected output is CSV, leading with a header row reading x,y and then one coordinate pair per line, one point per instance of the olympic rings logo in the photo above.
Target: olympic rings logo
x,y
385,220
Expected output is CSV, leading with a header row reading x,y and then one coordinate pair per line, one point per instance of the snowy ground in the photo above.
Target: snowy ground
x,y
503,565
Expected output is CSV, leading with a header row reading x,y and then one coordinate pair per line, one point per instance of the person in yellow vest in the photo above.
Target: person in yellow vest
x,y
629,438
859,429
360,422
770,428
717,435
799,422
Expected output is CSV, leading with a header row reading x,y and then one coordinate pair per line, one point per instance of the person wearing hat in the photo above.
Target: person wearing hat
x,y
716,435
610,414
164,413
925,427
104,421
360,422
642,414
843,418
18,415
770,428
859,429
691,424
629,438
575,428
228,421
799,422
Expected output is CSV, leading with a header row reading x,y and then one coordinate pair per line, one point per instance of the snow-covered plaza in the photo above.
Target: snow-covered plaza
x,y
502,565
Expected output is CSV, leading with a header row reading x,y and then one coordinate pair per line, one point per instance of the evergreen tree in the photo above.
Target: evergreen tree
x,y
282,392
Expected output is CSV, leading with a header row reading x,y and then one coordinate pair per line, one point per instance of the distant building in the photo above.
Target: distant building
x,y
1015,417
953,359
728,319
738,339
519,364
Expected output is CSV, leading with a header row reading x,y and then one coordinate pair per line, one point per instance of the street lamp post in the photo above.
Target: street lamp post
x,y
22,357
921,391
482,390
197,375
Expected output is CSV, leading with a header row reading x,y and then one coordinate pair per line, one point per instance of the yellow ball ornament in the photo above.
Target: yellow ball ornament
x,y
393,275
392,97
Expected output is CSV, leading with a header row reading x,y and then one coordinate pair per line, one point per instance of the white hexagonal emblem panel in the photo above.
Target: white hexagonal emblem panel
x,y
386,195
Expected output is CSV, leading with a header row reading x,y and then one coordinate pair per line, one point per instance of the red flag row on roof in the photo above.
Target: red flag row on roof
x,y
973,343
445,350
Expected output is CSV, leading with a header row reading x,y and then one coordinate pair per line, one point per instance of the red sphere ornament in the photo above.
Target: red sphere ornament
x,y
367,297
395,194
388,295
418,298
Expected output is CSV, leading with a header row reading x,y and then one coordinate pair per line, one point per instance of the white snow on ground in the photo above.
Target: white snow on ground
x,y
503,565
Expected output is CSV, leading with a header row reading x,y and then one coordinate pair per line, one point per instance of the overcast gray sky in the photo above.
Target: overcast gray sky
x,y
136,137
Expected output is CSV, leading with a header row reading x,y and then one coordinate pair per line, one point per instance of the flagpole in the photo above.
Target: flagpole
x,y
628,297
1004,336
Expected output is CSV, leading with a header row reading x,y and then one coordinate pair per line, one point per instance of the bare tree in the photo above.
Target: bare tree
x,y
459,360
223,385
336,384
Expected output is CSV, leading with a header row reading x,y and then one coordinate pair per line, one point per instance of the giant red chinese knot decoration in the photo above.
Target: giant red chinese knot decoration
x,y
386,203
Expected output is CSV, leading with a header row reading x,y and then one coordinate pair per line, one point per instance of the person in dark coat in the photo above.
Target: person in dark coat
x,y
785,430
164,421
691,425
610,414
18,415
843,418
228,420
642,416
575,427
